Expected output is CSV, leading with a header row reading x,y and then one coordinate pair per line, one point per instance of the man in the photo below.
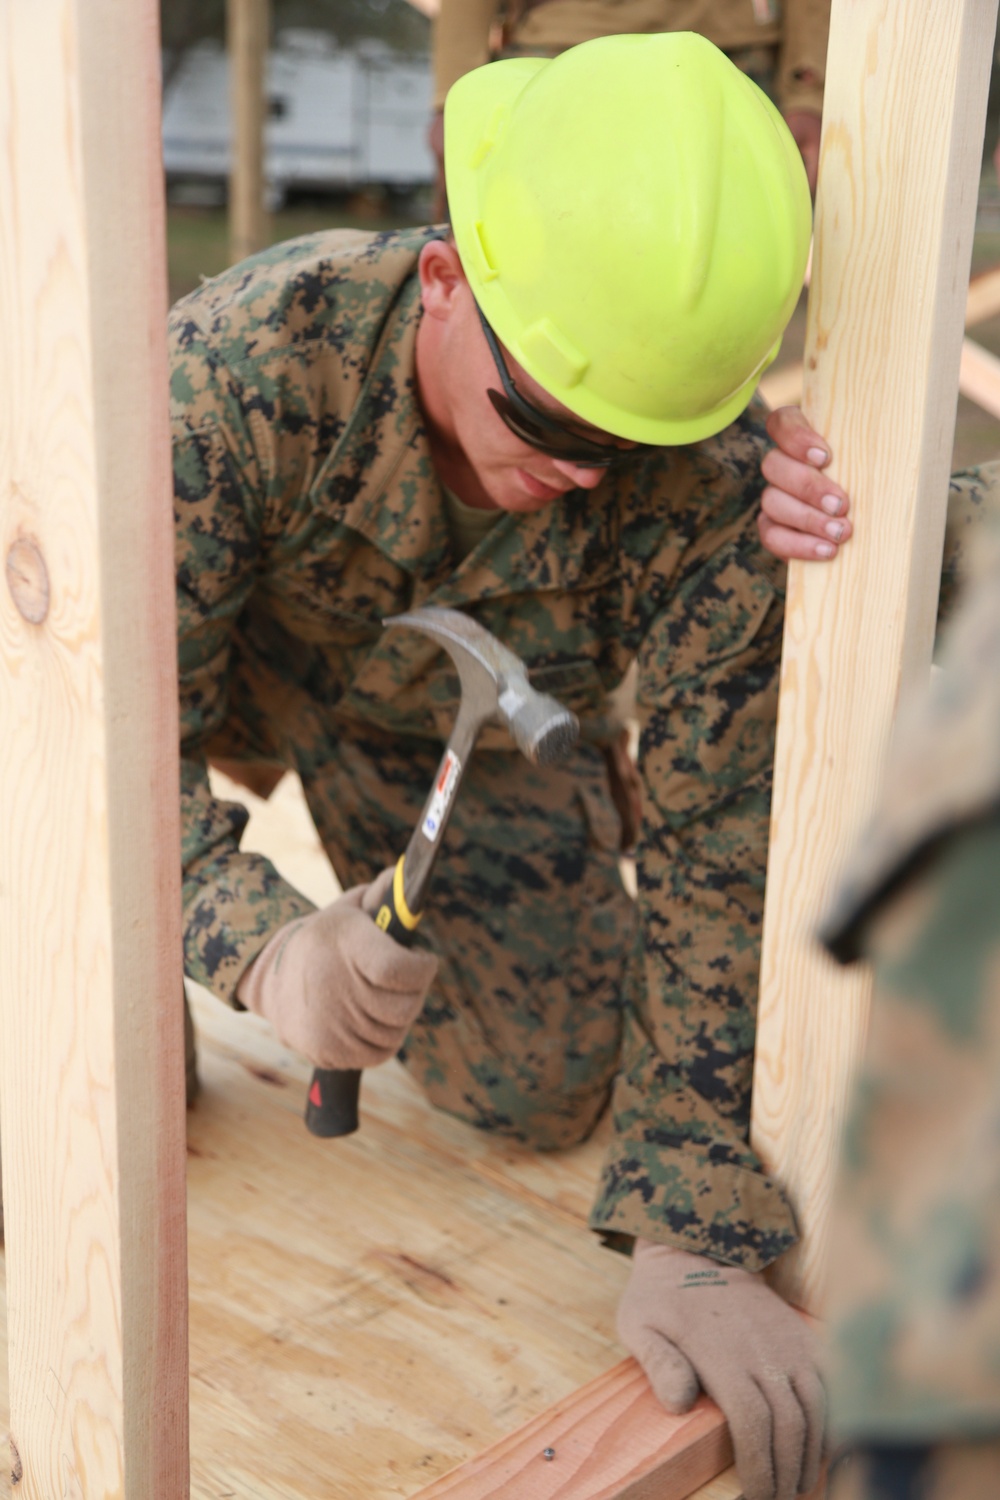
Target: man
x,y
542,421
916,1254
780,44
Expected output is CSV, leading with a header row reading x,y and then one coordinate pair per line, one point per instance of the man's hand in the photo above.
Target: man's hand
x,y
335,987
802,513
694,1324
805,126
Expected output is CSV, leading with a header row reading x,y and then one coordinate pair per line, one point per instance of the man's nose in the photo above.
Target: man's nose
x,y
583,476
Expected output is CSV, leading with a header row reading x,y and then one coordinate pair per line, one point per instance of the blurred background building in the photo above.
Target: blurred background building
x,y
338,116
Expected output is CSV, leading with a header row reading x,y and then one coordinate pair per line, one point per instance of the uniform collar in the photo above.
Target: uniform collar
x,y
379,480
571,544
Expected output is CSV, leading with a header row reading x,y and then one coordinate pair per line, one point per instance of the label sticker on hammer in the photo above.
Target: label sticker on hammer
x,y
444,790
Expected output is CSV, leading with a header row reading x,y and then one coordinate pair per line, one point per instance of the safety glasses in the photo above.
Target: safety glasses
x,y
543,432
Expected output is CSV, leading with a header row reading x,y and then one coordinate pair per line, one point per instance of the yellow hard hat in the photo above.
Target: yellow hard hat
x,y
633,217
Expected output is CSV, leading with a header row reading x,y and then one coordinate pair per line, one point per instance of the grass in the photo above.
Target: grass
x,y
197,238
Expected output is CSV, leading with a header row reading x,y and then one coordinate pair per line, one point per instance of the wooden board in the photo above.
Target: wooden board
x,y
895,214
248,25
609,1441
983,300
977,378
393,1303
91,1071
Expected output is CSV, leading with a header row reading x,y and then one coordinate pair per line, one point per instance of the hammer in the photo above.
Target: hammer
x,y
494,686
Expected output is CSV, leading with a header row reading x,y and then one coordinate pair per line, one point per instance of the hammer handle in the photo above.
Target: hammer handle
x,y
332,1102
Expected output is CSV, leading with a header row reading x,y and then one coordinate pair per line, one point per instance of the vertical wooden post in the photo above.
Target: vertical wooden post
x,y
91,1062
902,136
247,35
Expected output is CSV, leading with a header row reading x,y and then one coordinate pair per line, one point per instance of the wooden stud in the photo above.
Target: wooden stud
x,y
248,29
899,173
983,300
978,379
783,386
92,1065
610,1440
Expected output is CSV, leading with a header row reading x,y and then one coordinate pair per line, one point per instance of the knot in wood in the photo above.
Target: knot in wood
x,y
28,579
16,1471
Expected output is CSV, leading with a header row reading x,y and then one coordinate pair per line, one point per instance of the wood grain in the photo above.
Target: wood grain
x,y
782,386
979,377
248,25
899,172
609,1441
983,300
91,1076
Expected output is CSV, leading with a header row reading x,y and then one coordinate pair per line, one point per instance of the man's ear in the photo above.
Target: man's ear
x,y
442,279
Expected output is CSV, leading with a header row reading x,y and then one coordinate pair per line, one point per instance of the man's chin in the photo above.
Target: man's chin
x,y
522,492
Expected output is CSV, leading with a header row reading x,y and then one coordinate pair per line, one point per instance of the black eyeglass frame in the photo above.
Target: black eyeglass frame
x,y
544,432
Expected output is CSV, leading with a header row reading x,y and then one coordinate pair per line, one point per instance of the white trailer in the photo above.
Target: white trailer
x,y
335,118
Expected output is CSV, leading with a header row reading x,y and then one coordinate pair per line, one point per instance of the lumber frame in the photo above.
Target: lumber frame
x,y
979,372
248,29
903,125
92,1065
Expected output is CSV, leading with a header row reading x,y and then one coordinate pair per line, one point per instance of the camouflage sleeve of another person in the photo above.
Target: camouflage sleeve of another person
x,y
680,1170
802,60
233,902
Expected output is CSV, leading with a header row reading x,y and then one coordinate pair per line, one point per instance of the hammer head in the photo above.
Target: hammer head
x,y
495,684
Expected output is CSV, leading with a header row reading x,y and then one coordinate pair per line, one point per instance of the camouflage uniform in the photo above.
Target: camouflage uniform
x,y
917,1240
781,44
307,511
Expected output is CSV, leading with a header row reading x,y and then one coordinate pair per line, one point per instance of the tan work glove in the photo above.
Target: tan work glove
x,y
335,987
692,1323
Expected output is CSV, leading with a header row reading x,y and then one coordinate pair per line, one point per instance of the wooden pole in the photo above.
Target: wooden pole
x,y
92,1066
903,128
247,34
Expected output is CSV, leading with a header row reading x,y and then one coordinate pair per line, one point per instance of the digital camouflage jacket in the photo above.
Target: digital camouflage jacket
x,y
308,510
